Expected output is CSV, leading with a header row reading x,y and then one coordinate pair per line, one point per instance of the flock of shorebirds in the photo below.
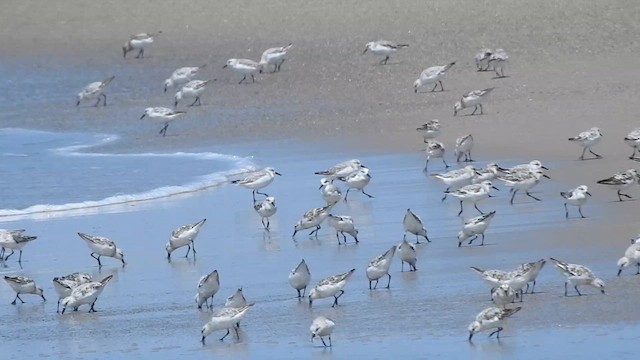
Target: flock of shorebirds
x,y
469,185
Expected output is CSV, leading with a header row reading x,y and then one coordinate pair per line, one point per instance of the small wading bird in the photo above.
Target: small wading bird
x,y
274,56
182,76
588,139
23,285
575,197
299,278
13,240
102,246
139,41
383,48
473,98
185,235
321,327
243,67
491,318
95,90
432,75
226,318
85,294
164,114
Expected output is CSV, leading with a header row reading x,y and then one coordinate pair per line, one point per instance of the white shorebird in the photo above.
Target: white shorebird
x,y
491,318
330,193
413,224
578,275
208,286
343,224
474,227
331,286
139,41
102,246
498,60
473,98
321,327
95,90
533,165
357,180
383,48
64,285
244,67
489,172
588,139
379,267
85,294
184,235
435,149
456,179
407,253
342,169
575,197
237,300
23,285
192,89
631,257
430,129
166,115
633,139
503,295
529,271
266,209
181,76
226,318
621,180
13,240
473,193
274,56
432,75
522,181
299,278
482,59
464,144
258,180
310,219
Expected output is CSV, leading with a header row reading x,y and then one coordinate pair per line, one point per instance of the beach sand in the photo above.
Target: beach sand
x,y
572,67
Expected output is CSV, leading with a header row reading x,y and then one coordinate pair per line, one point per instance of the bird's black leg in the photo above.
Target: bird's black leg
x,y
565,289
188,249
225,335
474,110
441,87
194,101
582,156
460,208
578,291
243,79
389,275
566,211
513,196
434,87
253,79
476,206
531,196
323,343
369,195
445,163
8,256
580,211
591,151
481,109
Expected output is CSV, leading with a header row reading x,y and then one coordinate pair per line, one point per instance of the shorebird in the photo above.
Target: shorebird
x,y
503,295
383,48
578,275
321,327
342,169
491,318
139,41
413,224
432,75
182,76
330,193
237,300
299,278
464,144
575,197
274,56
64,285
102,246
407,253
357,180
473,193
455,179
95,90
474,227
435,149
482,59
208,286
379,267
13,240
244,67
430,129
184,235
343,224
622,180
23,285
258,180
633,139
498,60
473,98
525,181
331,286
312,218
192,89
266,209
588,139
164,114
529,271
85,294
631,257
226,318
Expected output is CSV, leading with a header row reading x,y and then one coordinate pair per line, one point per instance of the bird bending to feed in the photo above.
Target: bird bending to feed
x,y
413,224
435,149
185,235
631,257
299,278
621,180
464,144
321,327
575,197
266,209
23,285
491,318
578,275
164,114
343,224
192,89
432,75
379,267
95,90
588,139
473,98
182,76
383,48
331,286
430,129
357,180
274,56
482,59
102,246
407,253
474,227
258,180
244,67
139,41
64,285
312,218
226,318
208,286
85,294
503,295
330,193
13,240
498,60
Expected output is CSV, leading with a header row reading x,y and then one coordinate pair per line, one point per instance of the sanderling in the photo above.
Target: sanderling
x,y
533,165
330,193
342,169
383,48
473,193
236,300
23,285
258,180
85,294
379,267
474,227
432,75
491,318
633,139
208,286
299,278
464,144
482,59
517,282
622,180
192,89
522,181
13,240
530,272
64,285
498,60
489,172
312,218
456,179
587,139
266,209
430,129
503,295
181,76
102,246
413,224
343,224
435,149
244,67
473,98
331,286
164,114
494,278
576,197
226,318
321,327
631,257
95,90
274,56
139,41
407,253
184,236
357,180
578,275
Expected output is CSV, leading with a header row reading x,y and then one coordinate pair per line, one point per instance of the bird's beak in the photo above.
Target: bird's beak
x,y
455,112
277,173
362,166
470,336
225,65
365,50
619,272
602,291
495,188
165,88
143,115
588,193
320,186
544,167
313,336
546,176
